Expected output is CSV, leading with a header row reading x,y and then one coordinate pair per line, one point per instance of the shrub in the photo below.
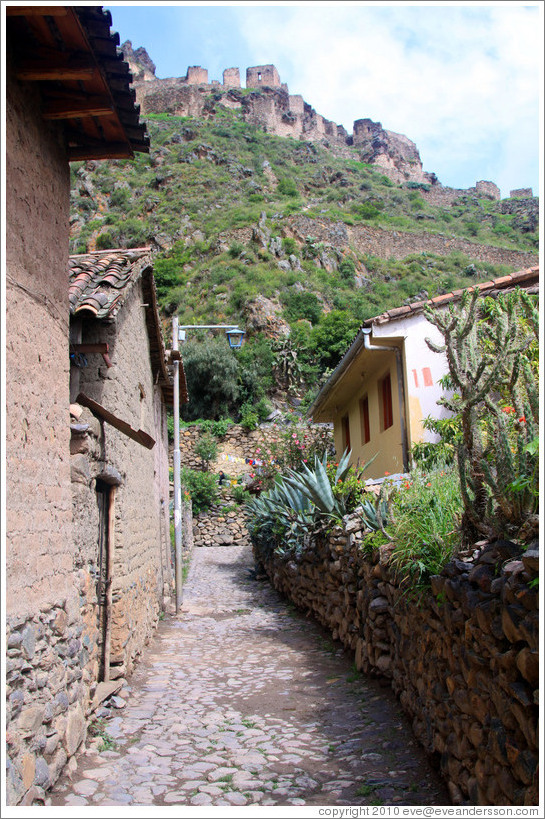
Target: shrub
x,y
425,513
236,249
289,245
207,449
347,269
366,210
105,241
287,187
303,305
240,494
203,488
249,419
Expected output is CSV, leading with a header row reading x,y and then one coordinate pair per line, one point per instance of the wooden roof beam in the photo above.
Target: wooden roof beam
x,y
99,411
74,109
110,150
74,67
36,11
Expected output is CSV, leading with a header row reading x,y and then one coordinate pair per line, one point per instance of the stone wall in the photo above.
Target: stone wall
x,y
220,526
46,656
463,661
240,444
399,244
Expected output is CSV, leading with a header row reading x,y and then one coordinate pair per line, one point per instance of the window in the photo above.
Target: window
x,y
385,395
345,428
364,416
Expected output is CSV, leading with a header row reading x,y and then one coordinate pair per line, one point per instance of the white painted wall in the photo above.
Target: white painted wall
x,y
423,369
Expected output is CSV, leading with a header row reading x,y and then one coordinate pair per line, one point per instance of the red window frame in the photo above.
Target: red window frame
x,y
386,402
365,424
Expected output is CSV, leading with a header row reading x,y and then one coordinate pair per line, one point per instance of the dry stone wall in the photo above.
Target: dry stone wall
x,y
220,526
239,445
463,661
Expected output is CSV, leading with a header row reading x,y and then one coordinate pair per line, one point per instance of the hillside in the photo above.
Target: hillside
x,y
288,236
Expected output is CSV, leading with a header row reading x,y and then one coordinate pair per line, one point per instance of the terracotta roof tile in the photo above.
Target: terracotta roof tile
x,y
505,283
99,284
100,281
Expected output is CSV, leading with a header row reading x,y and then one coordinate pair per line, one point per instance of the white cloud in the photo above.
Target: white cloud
x,y
452,78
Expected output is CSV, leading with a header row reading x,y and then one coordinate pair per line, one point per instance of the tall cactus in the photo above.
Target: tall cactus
x,y
489,345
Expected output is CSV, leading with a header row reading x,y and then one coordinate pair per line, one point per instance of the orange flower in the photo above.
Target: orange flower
x,y
386,473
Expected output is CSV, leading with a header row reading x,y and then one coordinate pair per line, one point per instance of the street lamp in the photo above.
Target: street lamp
x,y
235,337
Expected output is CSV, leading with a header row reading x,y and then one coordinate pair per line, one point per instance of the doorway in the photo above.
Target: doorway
x,y
105,500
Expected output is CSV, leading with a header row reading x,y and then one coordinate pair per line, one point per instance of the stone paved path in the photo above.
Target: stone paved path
x,y
242,700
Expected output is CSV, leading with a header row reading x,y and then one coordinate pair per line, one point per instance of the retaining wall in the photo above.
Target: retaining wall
x,y
463,661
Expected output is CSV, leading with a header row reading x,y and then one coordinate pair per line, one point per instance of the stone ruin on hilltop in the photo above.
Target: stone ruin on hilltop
x,y
266,103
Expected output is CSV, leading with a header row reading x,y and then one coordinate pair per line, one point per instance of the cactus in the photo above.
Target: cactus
x,y
491,349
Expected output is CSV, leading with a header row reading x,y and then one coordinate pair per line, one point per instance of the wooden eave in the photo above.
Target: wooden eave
x,y
157,348
70,53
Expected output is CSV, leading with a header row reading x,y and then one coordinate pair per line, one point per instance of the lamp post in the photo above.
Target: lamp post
x,y
176,470
235,337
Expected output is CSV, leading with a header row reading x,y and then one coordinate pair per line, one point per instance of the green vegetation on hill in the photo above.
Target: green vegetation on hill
x,y
205,187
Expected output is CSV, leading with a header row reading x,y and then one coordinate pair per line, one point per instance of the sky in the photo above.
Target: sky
x,y
464,81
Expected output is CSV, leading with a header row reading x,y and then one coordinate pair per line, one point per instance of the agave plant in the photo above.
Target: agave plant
x,y
315,485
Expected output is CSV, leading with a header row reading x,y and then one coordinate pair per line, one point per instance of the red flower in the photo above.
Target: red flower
x,y
522,419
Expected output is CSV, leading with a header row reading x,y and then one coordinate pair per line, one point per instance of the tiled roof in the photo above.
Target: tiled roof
x,y
99,282
528,279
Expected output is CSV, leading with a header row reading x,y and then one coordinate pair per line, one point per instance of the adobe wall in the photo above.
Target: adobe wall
x,y
140,571
463,661
46,659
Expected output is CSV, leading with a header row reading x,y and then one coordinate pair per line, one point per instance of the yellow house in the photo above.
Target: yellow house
x,y
388,382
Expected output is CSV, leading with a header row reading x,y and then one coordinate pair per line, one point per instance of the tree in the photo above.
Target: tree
x,y
332,336
211,370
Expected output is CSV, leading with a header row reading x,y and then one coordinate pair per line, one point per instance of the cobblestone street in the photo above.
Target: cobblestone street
x,y
242,700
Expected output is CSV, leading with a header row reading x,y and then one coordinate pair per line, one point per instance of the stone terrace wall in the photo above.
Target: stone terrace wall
x,y
216,527
464,663
399,244
237,445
